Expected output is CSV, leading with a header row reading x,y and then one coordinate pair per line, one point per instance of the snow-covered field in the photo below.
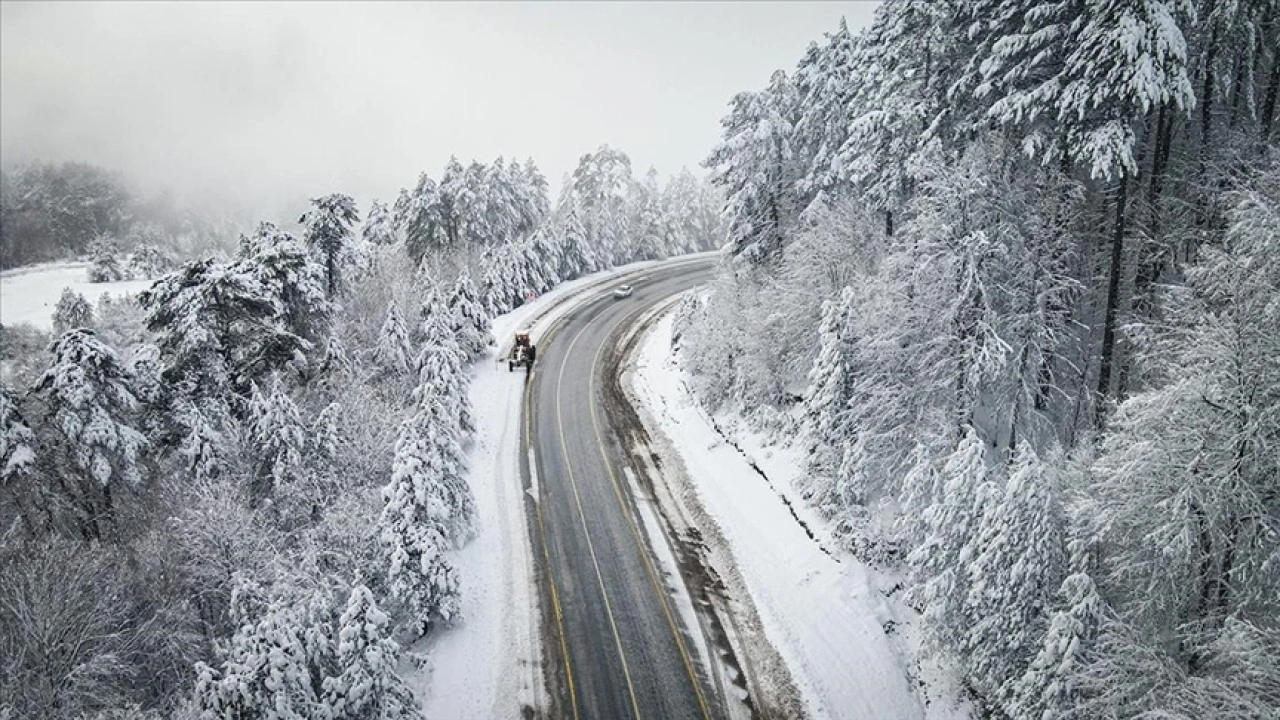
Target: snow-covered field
x,y
489,665
29,295
849,644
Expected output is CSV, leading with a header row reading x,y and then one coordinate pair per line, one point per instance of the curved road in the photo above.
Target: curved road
x,y
617,647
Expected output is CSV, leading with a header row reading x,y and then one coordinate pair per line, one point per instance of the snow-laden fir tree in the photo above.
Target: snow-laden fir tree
x,y
828,391
269,668
280,443
939,563
441,365
367,684
335,369
414,526
90,403
105,263
755,163
1049,689
471,325
71,312
394,352
17,457
1018,561
327,445
330,237
380,225
201,443
290,276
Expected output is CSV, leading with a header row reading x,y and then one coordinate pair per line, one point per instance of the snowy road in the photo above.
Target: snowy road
x,y
617,644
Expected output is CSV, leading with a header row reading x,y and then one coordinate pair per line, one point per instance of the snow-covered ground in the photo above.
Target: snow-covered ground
x,y
29,295
850,645
489,665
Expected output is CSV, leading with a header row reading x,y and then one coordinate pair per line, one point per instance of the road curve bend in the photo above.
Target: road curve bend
x,y
616,646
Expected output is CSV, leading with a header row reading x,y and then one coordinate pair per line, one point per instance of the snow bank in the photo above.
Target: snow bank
x,y
490,664
846,639
29,295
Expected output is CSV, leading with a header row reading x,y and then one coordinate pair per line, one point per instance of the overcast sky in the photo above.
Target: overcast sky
x,y
277,102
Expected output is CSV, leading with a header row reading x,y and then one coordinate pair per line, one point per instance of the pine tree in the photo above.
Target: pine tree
x,y
380,226
71,312
471,321
828,393
414,528
289,276
441,364
756,165
939,562
280,440
105,264
367,684
327,445
336,368
329,236
1050,687
269,666
1018,560
92,407
393,351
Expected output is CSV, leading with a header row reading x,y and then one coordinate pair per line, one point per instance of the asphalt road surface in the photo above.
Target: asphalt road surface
x,y
617,648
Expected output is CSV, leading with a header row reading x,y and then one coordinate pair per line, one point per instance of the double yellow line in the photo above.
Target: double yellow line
x,y
650,569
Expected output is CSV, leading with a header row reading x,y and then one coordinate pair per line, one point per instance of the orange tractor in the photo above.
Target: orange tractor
x,y
523,353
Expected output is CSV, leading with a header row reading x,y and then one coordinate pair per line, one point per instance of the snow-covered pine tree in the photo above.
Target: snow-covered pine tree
x,y
1018,560
289,275
828,392
393,352
940,561
218,327
825,83
471,321
327,445
417,212
330,237
269,667
414,528
280,442
367,684
1049,689
17,457
755,163
71,312
380,226
105,264
90,402
336,368
201,442
441,365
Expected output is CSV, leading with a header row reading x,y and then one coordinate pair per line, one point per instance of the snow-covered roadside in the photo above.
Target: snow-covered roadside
x,y
29,295
848,642
489,665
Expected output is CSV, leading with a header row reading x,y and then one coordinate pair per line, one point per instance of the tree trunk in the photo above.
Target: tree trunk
x,y
1113,299
888,223
1269,105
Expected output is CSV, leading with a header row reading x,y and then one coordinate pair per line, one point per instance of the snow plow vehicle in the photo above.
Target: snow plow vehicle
x,y
523,353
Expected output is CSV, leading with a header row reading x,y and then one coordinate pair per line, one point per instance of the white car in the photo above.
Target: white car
x,y
623,291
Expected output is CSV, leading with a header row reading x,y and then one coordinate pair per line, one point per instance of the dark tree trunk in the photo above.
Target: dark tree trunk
x,y
1269,104
1113,298
888,223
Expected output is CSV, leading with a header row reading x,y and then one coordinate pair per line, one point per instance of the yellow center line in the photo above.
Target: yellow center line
x,y
608,609
635,533
546,553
